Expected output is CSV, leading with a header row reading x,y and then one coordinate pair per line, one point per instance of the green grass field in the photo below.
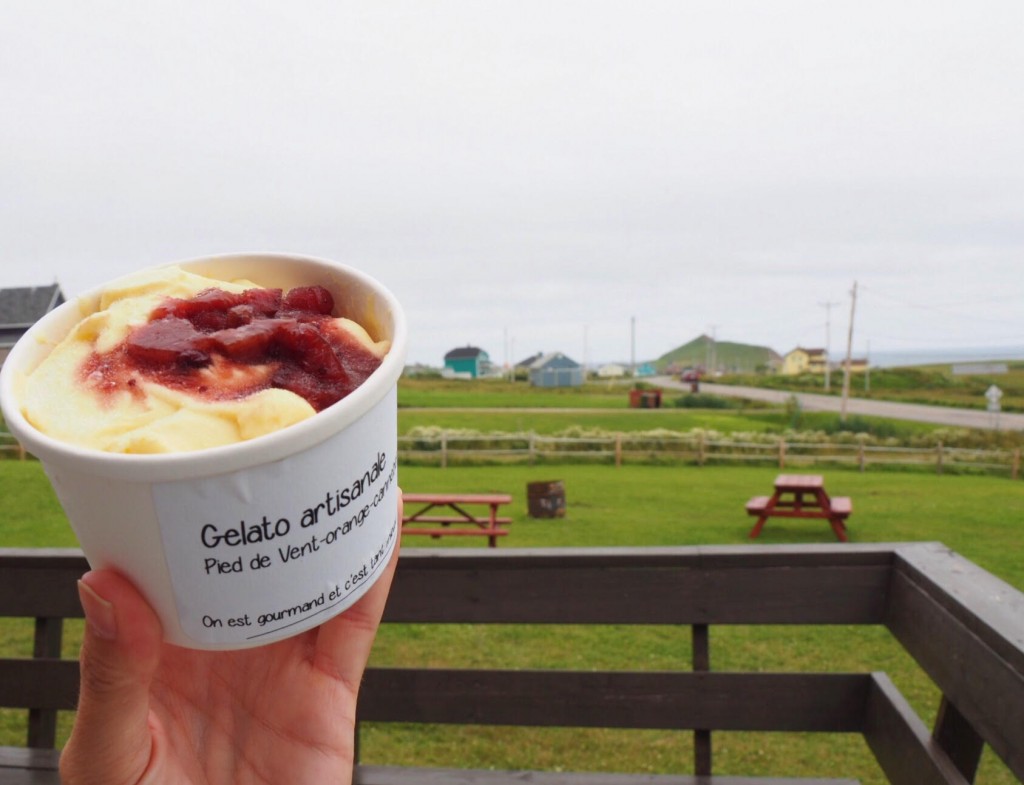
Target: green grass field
x,y
489,406
982,518
443,393
932,384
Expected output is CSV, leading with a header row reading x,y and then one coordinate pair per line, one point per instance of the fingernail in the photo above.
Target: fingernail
x,y
98,612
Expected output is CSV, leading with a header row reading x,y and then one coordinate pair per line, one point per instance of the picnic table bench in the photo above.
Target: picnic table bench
x,y
448,514
962,625
801,496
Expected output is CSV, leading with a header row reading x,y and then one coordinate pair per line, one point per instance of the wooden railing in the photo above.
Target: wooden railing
x,y
962,625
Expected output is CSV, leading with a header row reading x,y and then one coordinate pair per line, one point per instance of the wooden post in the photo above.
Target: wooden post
x,y
532,448
700,449
701,664
861,455
357,732
938,459
1015,465
618,450
444,450
42,723
958,739
782,453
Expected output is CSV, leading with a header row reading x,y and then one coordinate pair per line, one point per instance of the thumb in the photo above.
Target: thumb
x,y
111,740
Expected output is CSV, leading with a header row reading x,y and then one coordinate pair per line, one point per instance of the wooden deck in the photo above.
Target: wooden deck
x,y
962,625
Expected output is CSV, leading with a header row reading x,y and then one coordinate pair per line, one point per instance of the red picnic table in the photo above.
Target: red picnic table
x,y
447,514
801,496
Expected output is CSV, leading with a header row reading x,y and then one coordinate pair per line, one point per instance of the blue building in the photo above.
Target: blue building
x,y
555,370
467,362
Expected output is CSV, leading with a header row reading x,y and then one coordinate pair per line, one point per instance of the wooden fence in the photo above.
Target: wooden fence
x,y
453,449
8,444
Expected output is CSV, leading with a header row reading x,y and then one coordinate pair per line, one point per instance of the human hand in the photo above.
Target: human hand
x,y
153,714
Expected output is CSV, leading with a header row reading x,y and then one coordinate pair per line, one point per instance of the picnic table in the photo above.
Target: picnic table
x,y
801,496
447,514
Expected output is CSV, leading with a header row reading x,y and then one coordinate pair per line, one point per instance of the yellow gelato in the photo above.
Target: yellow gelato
x,y
75,396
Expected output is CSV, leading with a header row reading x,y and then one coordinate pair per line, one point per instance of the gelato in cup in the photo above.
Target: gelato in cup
x,y
240,544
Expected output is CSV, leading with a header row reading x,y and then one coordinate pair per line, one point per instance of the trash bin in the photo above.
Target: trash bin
x,y
645,399
546,499
651,399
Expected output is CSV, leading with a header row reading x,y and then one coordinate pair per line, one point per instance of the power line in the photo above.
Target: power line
x,y
944,309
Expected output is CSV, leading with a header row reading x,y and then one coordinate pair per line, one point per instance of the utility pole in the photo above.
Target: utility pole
x,y
713,349
849,350
586,351
867,370
512,361
632,344
828,343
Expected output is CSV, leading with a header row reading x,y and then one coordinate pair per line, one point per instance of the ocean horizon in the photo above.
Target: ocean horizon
x,y
892,359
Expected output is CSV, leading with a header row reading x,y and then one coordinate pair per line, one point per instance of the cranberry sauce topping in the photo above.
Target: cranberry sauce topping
x,y
225,345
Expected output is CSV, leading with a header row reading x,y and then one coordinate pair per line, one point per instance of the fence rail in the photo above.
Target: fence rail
x,y
8,444
452,449
447,449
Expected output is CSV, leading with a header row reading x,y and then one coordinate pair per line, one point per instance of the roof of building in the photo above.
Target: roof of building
x,y
529,361
556,359
809,352
464,353
22,306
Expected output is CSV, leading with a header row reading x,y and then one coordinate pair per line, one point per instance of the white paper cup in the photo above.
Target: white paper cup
x,y
245,544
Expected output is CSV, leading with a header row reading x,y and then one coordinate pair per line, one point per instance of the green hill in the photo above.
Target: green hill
x,y
724,356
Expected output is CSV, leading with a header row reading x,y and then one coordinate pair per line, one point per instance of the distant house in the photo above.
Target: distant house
x,y
802,360
20,308
555,370
857,364
467,362
611,371
529,361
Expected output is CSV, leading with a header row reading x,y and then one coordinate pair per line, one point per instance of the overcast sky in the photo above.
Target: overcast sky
x,y
531,176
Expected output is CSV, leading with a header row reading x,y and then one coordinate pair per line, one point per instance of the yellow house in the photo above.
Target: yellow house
x,y
857,364
802,360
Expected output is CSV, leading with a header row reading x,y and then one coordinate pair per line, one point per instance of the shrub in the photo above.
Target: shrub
x,y
706,401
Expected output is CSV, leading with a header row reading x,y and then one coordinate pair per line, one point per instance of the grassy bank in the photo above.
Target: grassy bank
x,y
554,420
928,384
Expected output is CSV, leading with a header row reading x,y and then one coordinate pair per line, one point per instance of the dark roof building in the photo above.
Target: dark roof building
x,y
529,361
467,362
464,353
21,307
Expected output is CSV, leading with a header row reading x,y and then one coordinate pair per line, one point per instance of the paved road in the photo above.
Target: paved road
x,y
943,415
